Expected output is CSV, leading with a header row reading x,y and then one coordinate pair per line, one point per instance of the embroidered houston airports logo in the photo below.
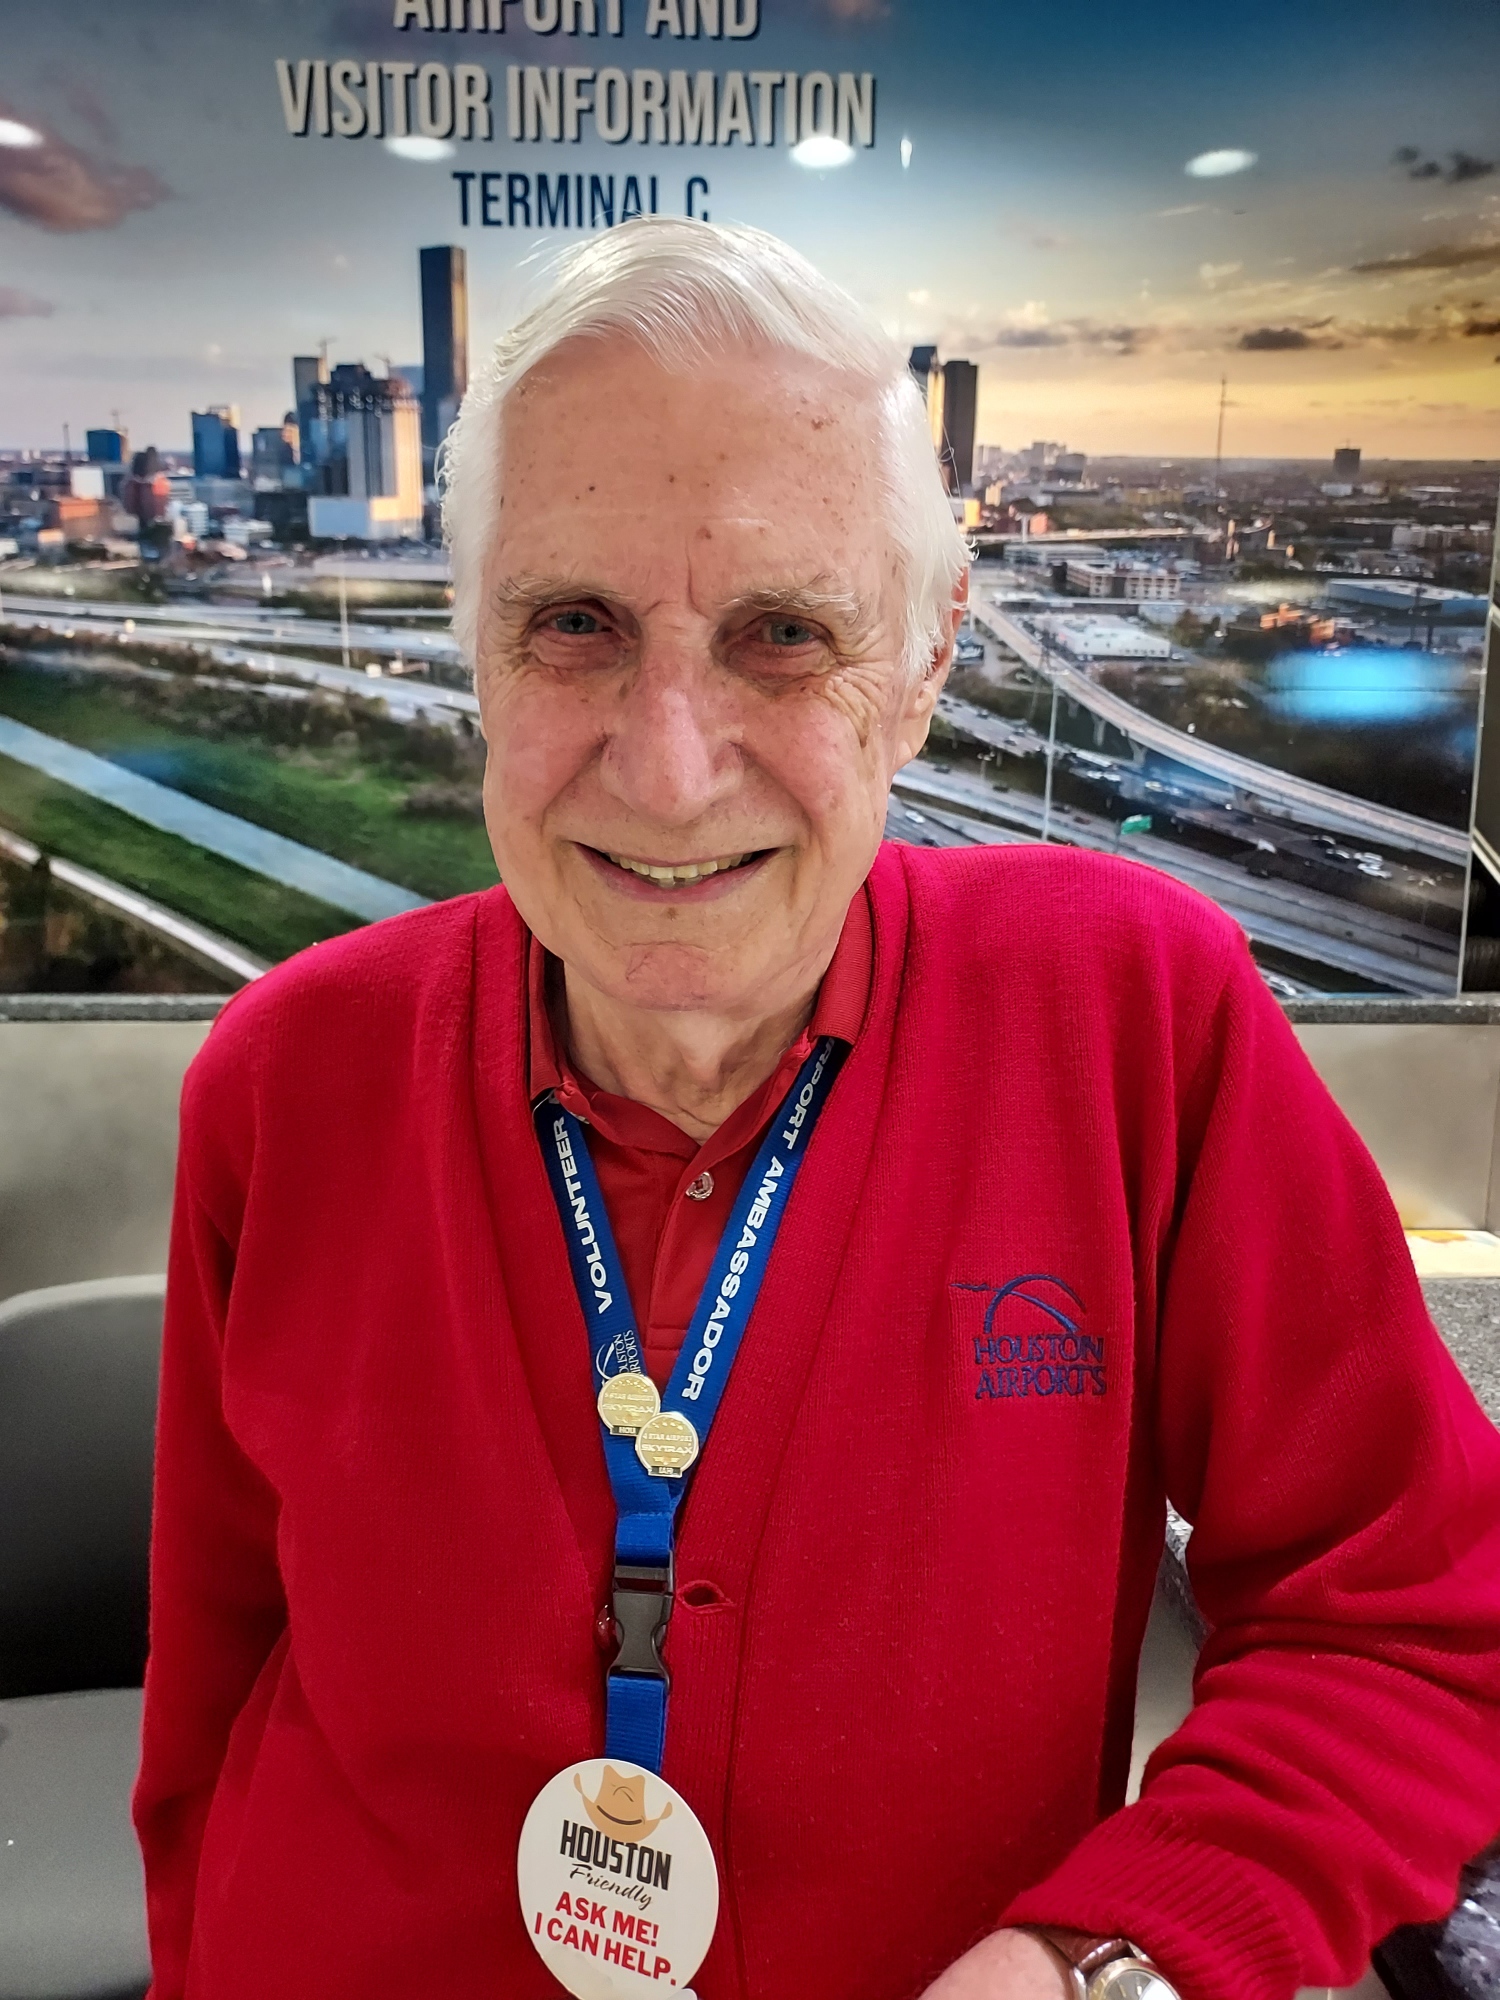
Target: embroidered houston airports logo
x,y
1028,1338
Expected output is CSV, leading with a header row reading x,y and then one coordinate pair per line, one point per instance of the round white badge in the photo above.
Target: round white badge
x,y
619,1888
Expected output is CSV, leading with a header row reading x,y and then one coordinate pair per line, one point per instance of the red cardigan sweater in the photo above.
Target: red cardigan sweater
x,y
1079,1230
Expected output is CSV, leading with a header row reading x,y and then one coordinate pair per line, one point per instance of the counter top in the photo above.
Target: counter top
x,y
1467,1314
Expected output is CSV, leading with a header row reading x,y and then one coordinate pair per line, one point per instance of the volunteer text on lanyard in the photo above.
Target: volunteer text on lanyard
x,y
651,1442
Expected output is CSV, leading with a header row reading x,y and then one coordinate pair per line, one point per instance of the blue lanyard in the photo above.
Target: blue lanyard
x,y
646,1502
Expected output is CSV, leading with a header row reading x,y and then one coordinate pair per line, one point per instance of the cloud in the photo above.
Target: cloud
x,y
1033,336
1275,339
1031,331
16,304
1122,339
1183,208
1429,326
1461,166
61,187
86,106
1383,340
1213,275
1070,333
1027,317
1440,257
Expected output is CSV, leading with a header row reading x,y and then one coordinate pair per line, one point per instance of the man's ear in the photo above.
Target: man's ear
x,y
922,699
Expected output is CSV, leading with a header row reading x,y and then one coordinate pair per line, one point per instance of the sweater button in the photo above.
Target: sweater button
x,y
700,1189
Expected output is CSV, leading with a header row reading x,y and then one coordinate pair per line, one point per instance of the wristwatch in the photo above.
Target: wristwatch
x,y
1105,1968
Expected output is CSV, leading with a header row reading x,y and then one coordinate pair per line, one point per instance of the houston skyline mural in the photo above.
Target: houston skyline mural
x,y
1110,210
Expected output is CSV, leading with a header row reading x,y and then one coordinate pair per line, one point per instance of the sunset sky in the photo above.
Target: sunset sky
x,y
170,245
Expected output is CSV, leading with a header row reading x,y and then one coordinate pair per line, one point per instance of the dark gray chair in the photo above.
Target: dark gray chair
x,y
78,1369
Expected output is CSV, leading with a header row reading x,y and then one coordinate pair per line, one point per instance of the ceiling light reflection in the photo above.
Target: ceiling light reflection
x,y
821,150
424,150
1227,160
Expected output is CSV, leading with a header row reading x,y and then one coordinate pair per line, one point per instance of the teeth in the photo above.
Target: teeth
x,y
674,878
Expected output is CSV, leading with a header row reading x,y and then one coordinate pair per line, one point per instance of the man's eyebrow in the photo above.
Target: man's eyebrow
x,y
531,588
816,599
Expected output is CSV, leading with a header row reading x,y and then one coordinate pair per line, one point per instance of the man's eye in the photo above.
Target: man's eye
x,y
789,632
576,624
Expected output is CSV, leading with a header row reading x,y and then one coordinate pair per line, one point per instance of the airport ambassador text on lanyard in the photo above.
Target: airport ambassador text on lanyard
x,y
651,1441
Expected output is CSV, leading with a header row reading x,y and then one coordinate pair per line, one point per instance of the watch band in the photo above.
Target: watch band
x,y
1085,1956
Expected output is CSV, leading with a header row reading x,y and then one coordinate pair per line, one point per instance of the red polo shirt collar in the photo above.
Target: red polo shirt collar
x,y
669,1198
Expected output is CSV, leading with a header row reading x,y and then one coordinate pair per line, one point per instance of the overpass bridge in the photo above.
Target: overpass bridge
x,y
1259,786
987,539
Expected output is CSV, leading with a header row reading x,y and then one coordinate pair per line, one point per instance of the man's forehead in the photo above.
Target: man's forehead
x,y
766,508
743,480
637,543
612,404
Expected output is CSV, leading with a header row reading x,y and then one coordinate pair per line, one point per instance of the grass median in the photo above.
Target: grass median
x,y
270,920
339,775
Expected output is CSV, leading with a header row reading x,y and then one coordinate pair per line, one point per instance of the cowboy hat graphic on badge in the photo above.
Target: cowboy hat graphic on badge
x,y
618,1884
620,1809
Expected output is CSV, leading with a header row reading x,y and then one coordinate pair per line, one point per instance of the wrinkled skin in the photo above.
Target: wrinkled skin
x,y
1011,1965
690,650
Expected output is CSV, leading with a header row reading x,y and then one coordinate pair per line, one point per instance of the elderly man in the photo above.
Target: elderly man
x,y
675,1367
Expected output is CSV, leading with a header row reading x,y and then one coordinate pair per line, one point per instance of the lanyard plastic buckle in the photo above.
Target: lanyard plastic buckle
x,y
641,1606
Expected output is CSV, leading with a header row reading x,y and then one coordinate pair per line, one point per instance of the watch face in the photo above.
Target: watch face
x,y
1129,1979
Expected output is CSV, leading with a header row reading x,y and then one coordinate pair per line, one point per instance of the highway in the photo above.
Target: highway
x,y
1370,944
987,539
412,700
192,623
1260,785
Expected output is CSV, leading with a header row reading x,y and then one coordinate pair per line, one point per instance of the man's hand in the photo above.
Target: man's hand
x,y
1010,1965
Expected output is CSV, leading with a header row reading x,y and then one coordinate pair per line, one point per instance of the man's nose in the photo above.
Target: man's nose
x,y
671,754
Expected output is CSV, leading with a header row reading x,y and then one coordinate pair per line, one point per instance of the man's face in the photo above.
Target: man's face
x,y
689,660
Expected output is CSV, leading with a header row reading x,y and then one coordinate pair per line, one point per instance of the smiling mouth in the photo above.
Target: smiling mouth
x,y
679,875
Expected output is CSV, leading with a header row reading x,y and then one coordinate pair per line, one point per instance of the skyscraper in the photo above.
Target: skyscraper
x,y
308,370
362,453
960,410
445,339
273,451
216,443
1346,461
107,447
922,362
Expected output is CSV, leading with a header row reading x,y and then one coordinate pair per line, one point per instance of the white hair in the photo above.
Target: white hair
x,y
683,290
